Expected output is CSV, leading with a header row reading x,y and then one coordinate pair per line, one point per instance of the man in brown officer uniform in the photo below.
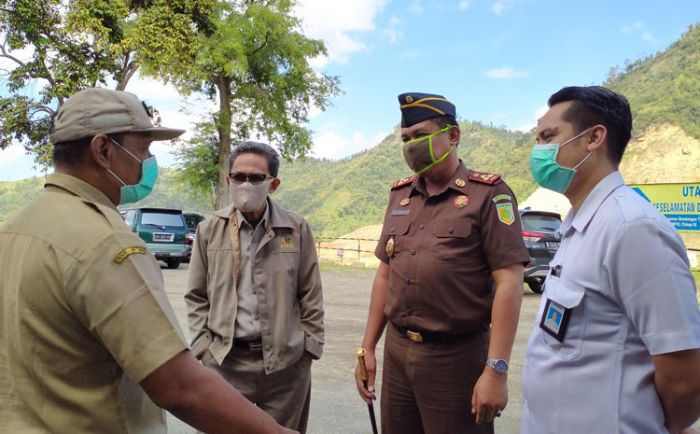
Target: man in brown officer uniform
x,y
88,340
449,284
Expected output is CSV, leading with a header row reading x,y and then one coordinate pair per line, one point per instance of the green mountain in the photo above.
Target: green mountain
x,y
665,87
340,196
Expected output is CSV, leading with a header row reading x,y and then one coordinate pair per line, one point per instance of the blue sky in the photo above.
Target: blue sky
x,y
497,60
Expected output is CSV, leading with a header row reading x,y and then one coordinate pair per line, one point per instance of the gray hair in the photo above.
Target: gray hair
x,y
267,151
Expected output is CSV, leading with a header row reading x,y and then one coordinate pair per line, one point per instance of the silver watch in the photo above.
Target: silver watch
x,y
500,366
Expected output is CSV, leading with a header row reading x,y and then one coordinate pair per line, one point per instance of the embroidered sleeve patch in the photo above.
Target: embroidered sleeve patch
x,y
121,257
501,197
505,212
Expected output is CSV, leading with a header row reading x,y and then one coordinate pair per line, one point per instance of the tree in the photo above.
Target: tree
x,y
67,46
250,57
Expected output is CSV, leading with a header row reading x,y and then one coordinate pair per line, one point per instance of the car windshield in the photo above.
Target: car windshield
x,y
540,222
162,219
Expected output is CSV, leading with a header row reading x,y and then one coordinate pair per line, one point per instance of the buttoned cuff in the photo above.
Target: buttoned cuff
x,y
312,346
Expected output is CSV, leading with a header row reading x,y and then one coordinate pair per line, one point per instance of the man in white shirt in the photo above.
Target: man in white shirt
x,y
616,344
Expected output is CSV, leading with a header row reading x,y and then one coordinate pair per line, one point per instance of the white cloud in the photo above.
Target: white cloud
x,y
639,28
504,73
525,128
10,154
416,7
338,25
499,7
332,145
393,33
464,5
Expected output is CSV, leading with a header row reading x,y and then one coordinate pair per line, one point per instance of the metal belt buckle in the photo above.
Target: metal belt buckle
x,y
255,346
414,336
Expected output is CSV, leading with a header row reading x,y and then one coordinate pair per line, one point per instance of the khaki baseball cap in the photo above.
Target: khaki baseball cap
x,y
93,111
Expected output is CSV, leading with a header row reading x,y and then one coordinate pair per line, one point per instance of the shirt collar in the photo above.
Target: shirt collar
x,y
458,181
595,198
263,221
78,187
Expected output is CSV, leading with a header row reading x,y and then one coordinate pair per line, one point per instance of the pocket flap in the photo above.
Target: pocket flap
x,y
565,293
451,228
396,226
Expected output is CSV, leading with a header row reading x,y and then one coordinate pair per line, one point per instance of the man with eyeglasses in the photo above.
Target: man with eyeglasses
x,y
254,299
449,284
88,340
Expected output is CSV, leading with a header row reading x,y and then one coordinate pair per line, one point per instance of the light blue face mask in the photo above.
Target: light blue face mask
x,y
547,172
149,176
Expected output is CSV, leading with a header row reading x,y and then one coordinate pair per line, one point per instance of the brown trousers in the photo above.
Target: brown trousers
x,y
427,387
285,395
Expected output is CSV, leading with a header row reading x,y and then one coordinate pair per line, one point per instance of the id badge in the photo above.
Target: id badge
x,y
555,319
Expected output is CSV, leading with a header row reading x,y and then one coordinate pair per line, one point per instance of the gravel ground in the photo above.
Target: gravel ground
x,y
335,405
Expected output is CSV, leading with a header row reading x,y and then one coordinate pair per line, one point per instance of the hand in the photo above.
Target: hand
x,y
284,430
367,394
490,396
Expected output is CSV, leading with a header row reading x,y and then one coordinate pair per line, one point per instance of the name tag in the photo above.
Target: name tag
x,y
395,212
555,319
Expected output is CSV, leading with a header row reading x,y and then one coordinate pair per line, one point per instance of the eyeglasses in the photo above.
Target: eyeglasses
x,y
253,178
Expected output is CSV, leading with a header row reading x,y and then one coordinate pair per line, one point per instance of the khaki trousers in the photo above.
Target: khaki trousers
x,y
427,387
285,395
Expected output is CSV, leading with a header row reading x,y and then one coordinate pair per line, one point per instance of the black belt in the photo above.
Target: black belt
x,y
248,345
420,336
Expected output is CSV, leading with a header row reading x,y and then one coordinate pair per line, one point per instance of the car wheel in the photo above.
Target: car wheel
x,y
173,264
535,284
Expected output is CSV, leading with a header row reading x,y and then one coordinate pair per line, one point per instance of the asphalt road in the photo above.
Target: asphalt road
x,y
335,405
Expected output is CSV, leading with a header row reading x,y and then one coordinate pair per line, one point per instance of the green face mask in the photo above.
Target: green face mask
x,y
547,172
418,152
149,176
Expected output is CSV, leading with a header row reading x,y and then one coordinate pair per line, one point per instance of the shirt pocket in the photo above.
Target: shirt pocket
x,y
572,297
450,242
396,228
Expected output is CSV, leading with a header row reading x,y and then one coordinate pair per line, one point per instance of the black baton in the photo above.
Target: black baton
x,y
363,374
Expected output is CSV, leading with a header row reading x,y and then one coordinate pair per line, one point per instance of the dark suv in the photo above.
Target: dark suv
x,y
542,242
163,230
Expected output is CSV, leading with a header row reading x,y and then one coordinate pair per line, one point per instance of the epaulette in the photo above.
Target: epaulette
x,y
403,181
484,178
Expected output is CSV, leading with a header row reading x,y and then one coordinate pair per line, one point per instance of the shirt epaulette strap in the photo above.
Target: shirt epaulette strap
x,y
484,178
403,181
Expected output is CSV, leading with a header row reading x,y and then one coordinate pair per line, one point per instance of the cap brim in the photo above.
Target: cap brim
x,y
160,133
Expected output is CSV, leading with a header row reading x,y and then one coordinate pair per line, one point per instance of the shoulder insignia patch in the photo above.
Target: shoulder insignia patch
x,y
121,257
403,181
505,213
484,178
501,197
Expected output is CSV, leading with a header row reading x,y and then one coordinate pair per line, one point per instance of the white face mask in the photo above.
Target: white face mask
x,y
249,197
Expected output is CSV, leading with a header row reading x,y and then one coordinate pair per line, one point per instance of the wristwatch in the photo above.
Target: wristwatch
x,y
500,366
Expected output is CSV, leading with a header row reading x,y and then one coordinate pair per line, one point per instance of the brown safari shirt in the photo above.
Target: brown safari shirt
x,y
84,318
445,248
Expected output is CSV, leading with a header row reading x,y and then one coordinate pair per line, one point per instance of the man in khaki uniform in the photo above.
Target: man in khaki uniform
x,y
88,340
254,292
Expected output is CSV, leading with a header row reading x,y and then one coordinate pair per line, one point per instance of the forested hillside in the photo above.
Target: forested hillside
x,y
340,196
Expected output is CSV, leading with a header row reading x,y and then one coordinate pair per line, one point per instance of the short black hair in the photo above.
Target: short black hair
x,y
267,151
443,121
72,152
593,105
